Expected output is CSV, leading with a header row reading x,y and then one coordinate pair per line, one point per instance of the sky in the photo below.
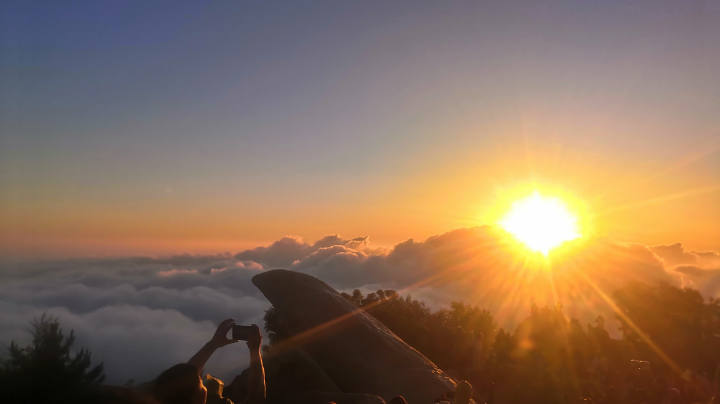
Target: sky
x,y
154,156
173,127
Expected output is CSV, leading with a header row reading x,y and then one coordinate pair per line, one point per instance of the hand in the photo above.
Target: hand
x,y
220,338
255,338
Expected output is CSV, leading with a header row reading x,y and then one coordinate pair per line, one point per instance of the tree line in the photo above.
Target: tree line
x,y
668,334
670,341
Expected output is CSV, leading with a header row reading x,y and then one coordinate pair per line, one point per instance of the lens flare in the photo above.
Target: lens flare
x,y
540,223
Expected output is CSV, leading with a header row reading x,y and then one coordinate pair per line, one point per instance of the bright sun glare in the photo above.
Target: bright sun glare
x,y
541,223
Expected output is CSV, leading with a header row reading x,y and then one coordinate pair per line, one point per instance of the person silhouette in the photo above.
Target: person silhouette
x,y
716,387
398,400
114,395
463,393
182,383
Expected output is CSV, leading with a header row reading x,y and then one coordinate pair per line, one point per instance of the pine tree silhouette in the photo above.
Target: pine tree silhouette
x,y
46,371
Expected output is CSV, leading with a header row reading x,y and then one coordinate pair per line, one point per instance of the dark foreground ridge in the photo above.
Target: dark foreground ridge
x,y
330,348
347,350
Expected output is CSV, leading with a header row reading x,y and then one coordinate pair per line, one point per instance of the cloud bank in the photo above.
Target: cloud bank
x,y
142,315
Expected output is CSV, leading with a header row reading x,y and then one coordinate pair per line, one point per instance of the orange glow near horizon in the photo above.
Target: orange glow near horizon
x,y
541,223
609,197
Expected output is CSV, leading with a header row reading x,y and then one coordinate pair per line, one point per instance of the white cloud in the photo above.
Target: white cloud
x,y
139,316
142,315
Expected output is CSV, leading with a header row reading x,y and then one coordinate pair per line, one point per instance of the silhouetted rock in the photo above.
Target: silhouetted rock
x,y
357,352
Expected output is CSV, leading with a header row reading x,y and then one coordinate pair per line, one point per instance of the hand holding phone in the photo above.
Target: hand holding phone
x,y
249,333
220,338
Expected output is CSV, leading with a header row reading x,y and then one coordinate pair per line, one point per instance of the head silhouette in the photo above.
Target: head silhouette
x,y
397,400
463,393
115,395
181,384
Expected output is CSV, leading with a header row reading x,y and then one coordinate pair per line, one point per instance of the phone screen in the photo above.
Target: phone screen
x,y
241,332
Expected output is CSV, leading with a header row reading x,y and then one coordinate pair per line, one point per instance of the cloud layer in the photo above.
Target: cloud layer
x,y
141,315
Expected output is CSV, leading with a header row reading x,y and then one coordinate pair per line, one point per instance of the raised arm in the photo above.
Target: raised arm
x,y
256,382
218,340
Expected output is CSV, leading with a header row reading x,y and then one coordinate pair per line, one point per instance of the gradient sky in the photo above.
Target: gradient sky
x,y
141,127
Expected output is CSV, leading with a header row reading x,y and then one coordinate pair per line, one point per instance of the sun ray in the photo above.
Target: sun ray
x,y
660,199
671,363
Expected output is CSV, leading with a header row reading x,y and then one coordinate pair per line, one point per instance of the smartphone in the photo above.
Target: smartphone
x,y
241,332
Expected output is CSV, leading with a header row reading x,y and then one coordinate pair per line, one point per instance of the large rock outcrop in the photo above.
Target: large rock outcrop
x,y
357,352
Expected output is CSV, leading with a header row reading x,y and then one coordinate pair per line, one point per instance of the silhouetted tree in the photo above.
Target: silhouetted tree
x,y
275,332
46,371
551,358
678,321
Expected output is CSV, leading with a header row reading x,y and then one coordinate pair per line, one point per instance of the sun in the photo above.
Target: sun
x,y
541,223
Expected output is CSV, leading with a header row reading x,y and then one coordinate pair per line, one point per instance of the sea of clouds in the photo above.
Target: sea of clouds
x,y
141,315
